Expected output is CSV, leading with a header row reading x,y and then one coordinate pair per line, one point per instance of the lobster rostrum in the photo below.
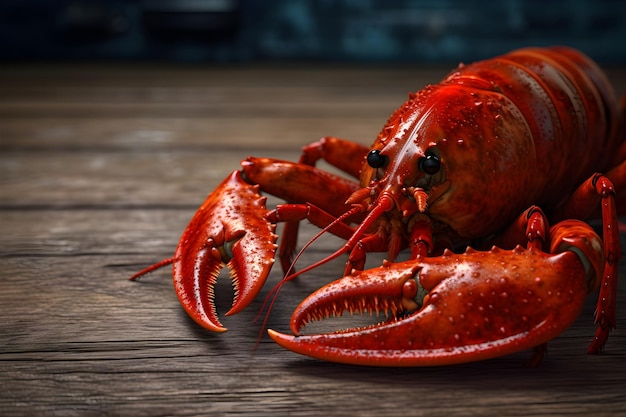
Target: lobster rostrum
x,y
485,180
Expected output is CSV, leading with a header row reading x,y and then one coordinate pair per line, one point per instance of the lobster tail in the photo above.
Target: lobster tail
x,y
563,97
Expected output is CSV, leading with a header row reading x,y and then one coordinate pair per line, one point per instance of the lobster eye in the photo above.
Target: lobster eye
x,y
430,164
376,160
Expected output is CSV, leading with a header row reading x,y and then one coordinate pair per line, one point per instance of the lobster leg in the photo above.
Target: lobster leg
x,y
346,155
218,235
234,228
342,154
227,229
600,187
478,305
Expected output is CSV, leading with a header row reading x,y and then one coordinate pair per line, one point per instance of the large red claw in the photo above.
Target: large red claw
x,y
479,305
228,229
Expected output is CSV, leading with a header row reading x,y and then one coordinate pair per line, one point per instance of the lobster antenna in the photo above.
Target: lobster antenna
x,y
152,268
385,203
271,297
273,294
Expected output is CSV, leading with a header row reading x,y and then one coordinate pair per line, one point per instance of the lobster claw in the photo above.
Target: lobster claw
x,y
228,229
478,305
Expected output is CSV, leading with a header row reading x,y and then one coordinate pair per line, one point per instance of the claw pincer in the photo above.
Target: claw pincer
x,y
478,305
223,232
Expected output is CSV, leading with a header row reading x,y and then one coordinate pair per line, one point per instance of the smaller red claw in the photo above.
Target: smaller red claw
x,y
479,305
228,229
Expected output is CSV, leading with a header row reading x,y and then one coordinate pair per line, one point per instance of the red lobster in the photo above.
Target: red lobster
x,y
484,179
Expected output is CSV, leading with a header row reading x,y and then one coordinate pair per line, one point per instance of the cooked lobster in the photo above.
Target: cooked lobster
x,y
485,181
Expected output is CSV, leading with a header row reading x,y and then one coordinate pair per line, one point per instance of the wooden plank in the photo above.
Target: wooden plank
x,y
66,179
260,135
236,93
101,168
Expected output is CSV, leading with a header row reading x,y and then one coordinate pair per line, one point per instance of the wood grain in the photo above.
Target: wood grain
x,y
102,166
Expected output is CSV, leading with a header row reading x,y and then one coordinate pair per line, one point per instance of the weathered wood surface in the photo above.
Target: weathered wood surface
x,y
101,167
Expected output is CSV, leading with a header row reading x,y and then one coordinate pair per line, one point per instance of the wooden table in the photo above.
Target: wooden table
x,y
101,167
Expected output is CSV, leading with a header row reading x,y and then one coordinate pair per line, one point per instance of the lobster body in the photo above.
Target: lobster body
x,y
514,151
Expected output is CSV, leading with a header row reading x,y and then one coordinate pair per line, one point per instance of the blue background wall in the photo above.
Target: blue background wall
x,y
296,30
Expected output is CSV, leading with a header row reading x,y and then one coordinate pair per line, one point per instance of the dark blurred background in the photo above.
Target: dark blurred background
x,y
305,30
